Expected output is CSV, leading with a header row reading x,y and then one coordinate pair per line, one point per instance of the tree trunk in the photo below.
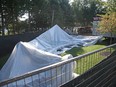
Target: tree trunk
x,y
13,20
2,18
29,27
52,18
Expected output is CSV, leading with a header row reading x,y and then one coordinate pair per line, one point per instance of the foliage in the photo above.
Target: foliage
x,y
108,23
41,14
111,4
85,10
46,13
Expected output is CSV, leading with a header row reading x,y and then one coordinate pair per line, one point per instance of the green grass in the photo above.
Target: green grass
x,y
82,50
86,63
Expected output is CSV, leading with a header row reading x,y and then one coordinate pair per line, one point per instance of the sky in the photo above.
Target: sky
x,y
73,0
24,17
104,0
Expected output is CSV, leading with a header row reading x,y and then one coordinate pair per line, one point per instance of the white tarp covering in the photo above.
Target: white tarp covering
x,y
89,40
56,39
53,39
25,58
40,52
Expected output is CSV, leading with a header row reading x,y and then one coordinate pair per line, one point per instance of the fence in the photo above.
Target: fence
x,y
60,73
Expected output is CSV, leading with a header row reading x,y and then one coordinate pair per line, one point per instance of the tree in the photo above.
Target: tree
x,y
9,11
111,4
108,21
108,24
67,13
85,10
52,12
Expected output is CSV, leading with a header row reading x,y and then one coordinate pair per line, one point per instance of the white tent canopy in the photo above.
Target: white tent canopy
x,y
25,58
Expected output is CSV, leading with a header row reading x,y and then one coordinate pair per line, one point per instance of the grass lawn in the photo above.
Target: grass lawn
x,y
86,63
82,50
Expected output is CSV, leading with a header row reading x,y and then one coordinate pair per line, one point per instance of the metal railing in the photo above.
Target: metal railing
x,y
59,73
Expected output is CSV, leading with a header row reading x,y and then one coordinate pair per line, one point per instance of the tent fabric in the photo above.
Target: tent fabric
x,y
56,38
89,40
40,52
53,39
26,58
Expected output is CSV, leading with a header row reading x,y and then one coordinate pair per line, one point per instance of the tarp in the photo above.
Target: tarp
x,y
56,40
40,52
88,40
25,58
53,39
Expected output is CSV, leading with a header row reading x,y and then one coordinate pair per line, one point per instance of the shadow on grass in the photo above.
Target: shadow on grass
x,y
75,51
